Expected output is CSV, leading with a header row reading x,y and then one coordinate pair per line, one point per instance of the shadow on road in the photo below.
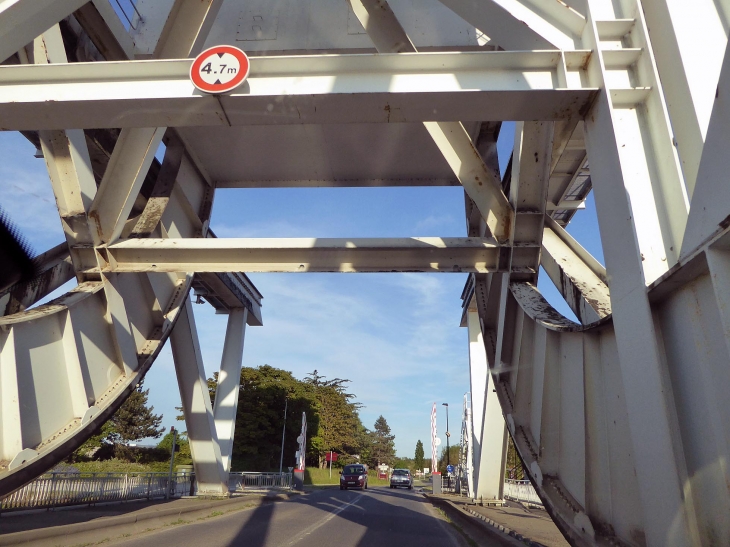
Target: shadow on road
x,y
256,529
380,517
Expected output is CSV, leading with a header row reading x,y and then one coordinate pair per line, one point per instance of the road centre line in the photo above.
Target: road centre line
x,y
307,531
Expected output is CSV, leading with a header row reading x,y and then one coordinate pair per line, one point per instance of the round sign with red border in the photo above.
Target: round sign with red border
x,y
219,69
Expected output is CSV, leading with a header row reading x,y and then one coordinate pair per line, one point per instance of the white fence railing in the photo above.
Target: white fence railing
x,y
448,483
521,491
238,482
59,489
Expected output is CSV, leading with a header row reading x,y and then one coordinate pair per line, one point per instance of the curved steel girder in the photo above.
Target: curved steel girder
x,y
561,391
65,367
63,442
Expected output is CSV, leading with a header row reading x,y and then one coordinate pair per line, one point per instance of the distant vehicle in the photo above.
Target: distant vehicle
x,y
354,476
401,477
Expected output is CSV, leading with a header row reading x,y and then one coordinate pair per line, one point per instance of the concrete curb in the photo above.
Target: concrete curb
x,y
498,531
127,520
504,529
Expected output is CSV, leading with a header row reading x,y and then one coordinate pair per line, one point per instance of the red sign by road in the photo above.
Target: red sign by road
x,y
219,69
330,456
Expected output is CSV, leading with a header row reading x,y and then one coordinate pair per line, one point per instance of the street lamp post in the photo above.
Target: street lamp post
x,y
283,434
448,455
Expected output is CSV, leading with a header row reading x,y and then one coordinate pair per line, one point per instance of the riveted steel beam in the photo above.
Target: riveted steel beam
x,y
422,254
287,90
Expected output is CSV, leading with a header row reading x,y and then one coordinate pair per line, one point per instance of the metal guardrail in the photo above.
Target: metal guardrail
x,y
60,489
455,485
448,484
521,491
238,482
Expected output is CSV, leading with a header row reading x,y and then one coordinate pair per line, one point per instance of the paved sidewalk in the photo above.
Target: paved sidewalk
x,y
534,524
82,524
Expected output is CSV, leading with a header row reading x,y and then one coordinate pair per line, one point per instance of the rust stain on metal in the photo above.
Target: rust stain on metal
x,y
725,222
94,216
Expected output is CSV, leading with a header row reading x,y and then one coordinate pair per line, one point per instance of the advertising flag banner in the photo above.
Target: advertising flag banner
x,y
434,438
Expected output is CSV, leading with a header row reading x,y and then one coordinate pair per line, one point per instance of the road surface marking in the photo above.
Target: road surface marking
x,y
304,533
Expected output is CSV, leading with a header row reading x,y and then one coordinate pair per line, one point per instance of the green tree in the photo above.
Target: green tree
x,y
263,394
513,468
383,443
404,463
182,451
133,421
453,457
333,422
364,441
339,422
419,459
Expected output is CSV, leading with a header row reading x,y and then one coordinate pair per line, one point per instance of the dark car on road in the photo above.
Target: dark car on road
x,y
354,476
401,477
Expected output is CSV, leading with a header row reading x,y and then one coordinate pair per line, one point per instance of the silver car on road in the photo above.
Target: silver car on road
x,y
401,477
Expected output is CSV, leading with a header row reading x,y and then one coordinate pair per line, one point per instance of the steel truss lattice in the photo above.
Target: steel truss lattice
x,y
620,420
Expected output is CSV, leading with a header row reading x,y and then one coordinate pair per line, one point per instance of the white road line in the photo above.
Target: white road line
x,y
307,531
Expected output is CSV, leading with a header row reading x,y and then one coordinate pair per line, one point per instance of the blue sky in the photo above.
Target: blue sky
x,y
396,336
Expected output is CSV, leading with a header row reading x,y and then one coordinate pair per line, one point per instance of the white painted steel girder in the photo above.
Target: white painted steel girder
x,y
513,24
622,421
23,20
66,363
424,254
210,475
689,58
67,366
54,268
489,434
294,90
579,277
229,381
566,407
451,138
618,420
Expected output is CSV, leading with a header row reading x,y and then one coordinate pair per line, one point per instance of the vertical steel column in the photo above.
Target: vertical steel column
x,y
614,149
229,380
711,194
489,430
68,162
196,405
478,371
689,40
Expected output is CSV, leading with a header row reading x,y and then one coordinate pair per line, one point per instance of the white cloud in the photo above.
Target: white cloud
x,y
275,228
396,336
434,225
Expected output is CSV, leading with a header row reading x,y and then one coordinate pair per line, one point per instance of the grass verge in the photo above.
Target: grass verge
x,y
458,528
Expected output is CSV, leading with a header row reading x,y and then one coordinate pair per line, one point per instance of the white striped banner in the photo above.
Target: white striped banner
x,y
434,455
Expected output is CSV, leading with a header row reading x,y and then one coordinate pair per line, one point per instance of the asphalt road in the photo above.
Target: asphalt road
x,y
376,517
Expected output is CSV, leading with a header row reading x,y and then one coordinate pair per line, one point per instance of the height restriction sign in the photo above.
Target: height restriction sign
x,y
219,69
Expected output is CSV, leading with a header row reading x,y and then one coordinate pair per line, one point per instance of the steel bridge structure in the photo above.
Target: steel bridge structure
x,y
621,420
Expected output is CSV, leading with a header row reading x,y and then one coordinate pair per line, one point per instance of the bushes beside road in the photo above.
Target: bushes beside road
x,y
316,477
